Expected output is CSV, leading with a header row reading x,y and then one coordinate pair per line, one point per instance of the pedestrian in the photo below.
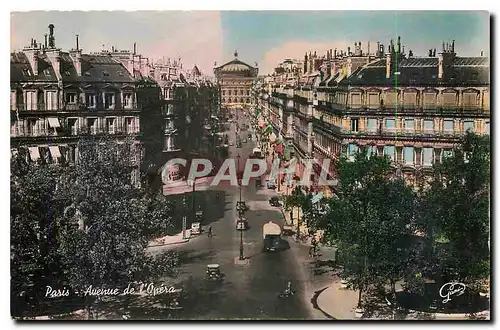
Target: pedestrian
x,y
210,231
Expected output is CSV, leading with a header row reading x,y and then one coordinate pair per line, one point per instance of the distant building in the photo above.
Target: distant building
x,y
235,79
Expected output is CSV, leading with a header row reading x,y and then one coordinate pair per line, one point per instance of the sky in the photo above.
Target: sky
x,y
264,37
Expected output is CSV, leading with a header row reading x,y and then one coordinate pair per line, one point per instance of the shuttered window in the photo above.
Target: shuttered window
x,y
470,100
373,100
390,98
430,100
410,100
449,100
448,125
356,99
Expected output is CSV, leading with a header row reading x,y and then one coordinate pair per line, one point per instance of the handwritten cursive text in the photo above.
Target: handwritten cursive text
x,y
451,289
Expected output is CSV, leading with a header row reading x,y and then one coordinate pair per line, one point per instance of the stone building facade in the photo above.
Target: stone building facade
x,y
236,80
412,109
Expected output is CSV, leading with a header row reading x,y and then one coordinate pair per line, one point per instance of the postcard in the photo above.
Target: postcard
x,y
250,165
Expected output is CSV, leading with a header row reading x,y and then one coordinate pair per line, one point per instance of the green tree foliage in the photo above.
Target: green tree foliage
x,y
370,222
104,222
456,213
33,229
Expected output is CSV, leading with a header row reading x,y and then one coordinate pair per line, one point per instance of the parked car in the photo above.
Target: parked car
x,y
271,184
195,228
274,201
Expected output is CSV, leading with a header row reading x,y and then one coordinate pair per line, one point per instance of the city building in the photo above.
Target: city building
x,y
412,109
235,79
58,97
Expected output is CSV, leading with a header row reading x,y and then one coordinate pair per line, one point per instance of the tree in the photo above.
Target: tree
x,y
94,224
369,222
457,215
33,230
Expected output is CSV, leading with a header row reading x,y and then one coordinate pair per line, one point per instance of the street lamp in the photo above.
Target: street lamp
x,y
242,257
184,218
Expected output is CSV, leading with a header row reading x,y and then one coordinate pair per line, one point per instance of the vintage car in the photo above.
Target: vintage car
x,y
195,228
274,201
213,272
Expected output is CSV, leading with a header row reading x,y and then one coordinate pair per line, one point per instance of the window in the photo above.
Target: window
x,y
129,125
371,151
390,124
470,100
372,124
248,92
90,100
248,100
373,100
229,92
127,100
72,125
109,100
448,125
354,124
446,153
429,100
428,125
391,98
353,149
469,125
389,151
32,127
410,100
428,156
356,99
410,124
110,125
408,154
71,98
51,100
92,125
449,100
487,127
223,92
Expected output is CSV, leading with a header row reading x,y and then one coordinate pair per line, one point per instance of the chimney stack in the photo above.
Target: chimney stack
x,y
135,48
348,51
45,40
440,66
368,51
388,66
77,45
481,53
52,40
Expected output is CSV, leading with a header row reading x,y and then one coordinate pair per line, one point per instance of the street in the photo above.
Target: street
x,y
250,289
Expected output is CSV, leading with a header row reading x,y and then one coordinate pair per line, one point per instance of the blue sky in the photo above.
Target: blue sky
x,y
265,37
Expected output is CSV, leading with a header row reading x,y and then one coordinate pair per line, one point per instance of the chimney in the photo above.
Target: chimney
x,y
482,53
348,51
430,52
388,65
440,66
305,64
410,54
368,51
135,48
52,40
335,53
32,54
45,40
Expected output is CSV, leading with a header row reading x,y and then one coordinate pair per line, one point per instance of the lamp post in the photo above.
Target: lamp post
x,y
184,218
240,212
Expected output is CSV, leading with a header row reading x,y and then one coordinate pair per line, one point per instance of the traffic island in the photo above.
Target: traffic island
x,y
244,262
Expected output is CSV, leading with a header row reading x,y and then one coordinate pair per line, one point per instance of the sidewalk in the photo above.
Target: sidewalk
x,y
170,240
337,302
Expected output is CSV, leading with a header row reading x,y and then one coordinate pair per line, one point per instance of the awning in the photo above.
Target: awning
x,y
54,151
34,153
54,122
